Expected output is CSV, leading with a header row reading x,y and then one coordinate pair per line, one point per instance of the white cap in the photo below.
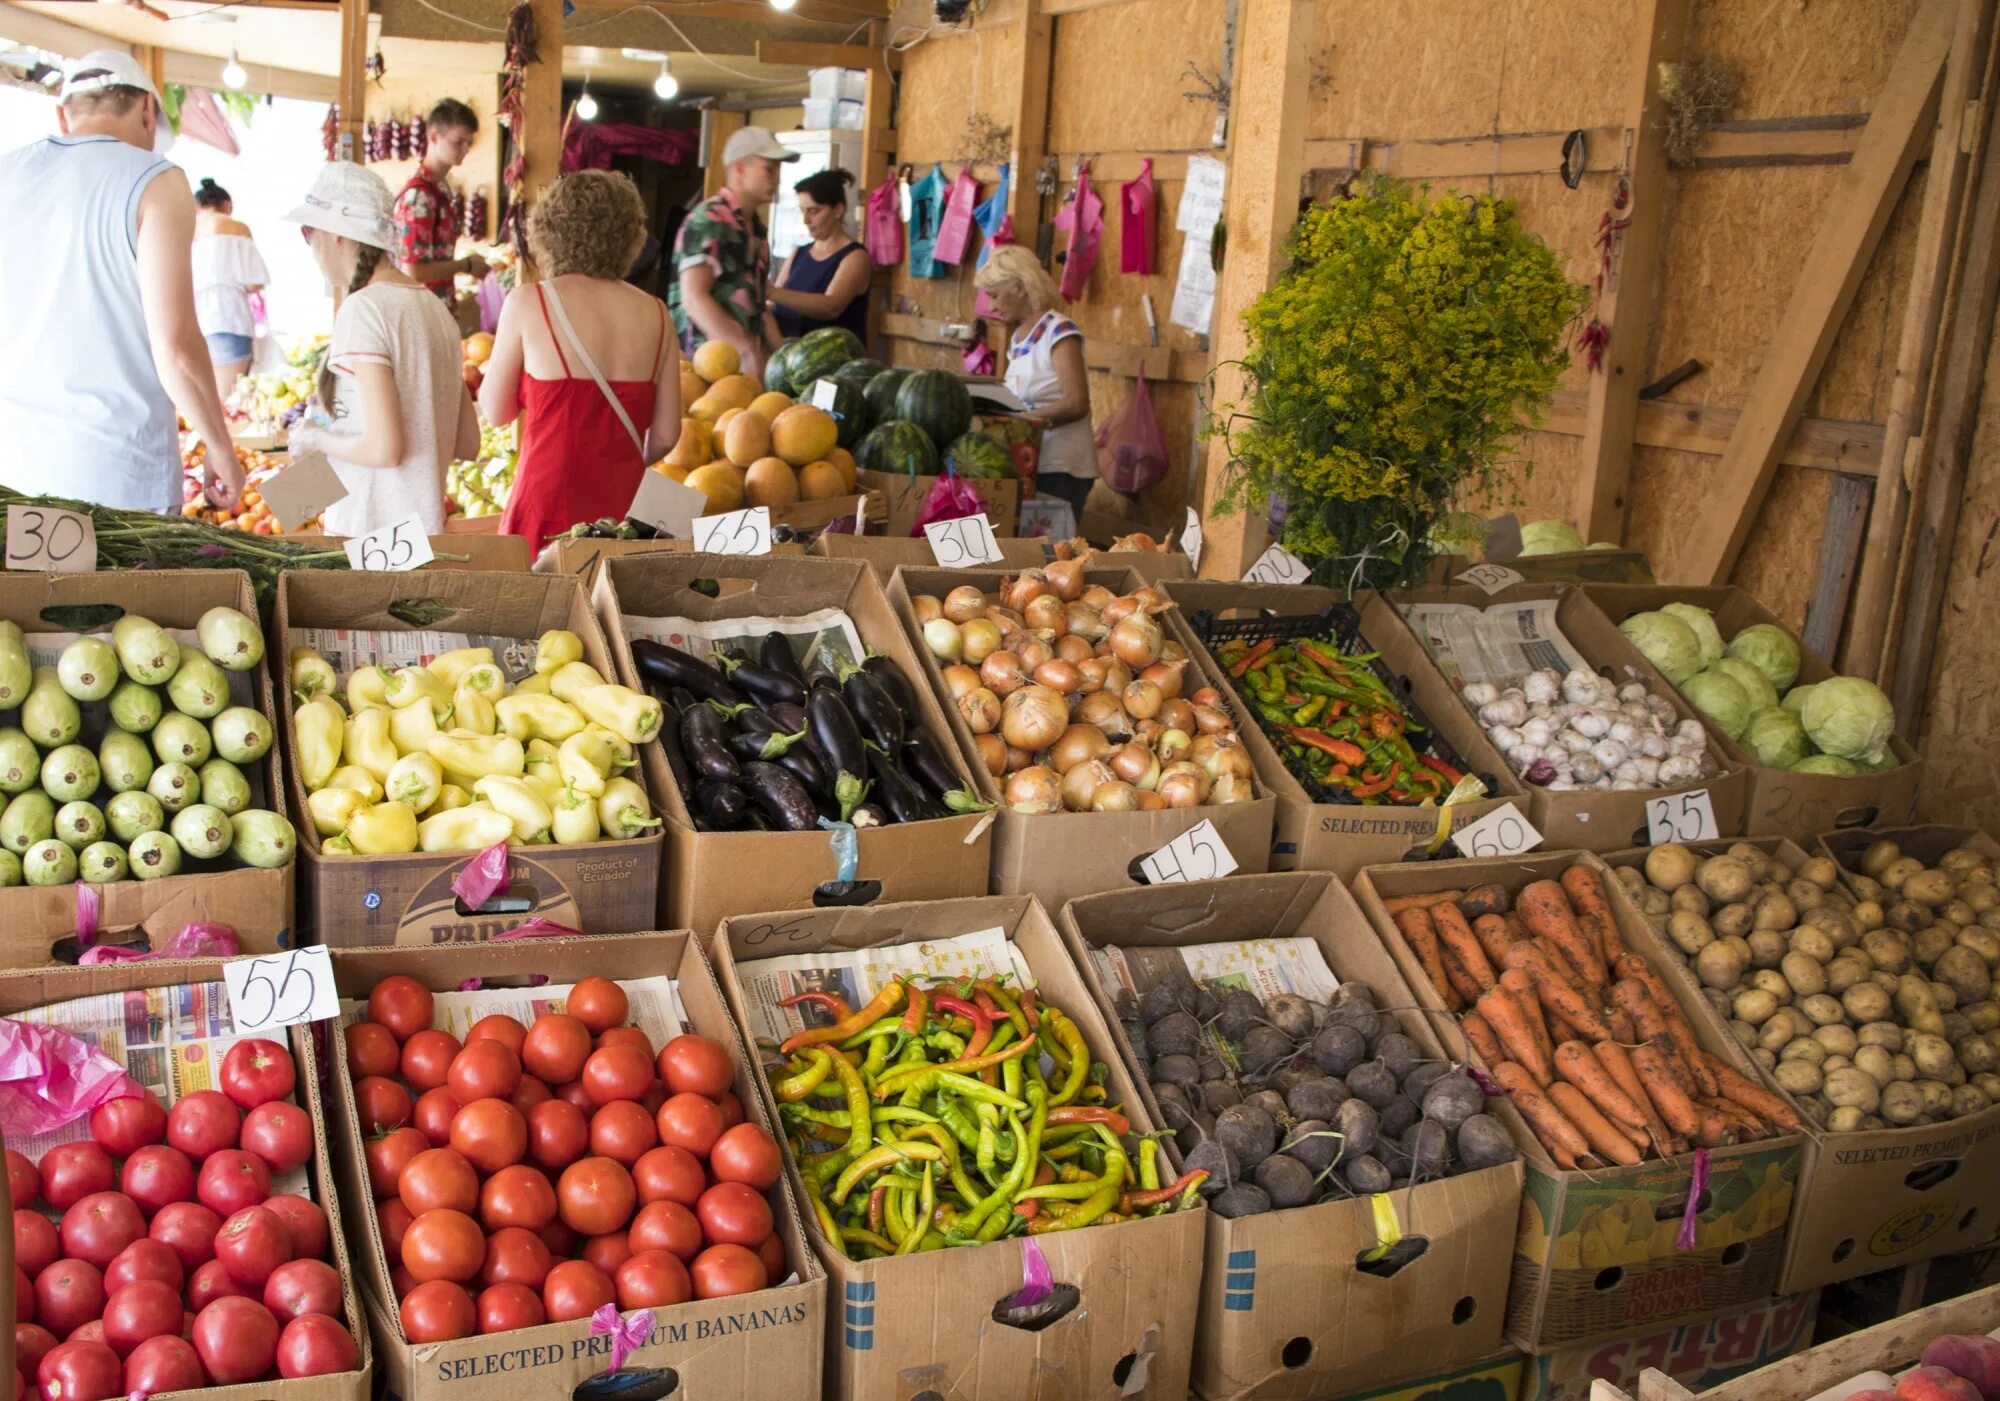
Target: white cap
x,y
351,201
104,68
754,141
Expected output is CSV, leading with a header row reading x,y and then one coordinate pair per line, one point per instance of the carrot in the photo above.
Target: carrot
x,y
1618,1065
1454,933
1599,1131
1522,990
1545,910
1481,900
1676,1106
1759,1101
1585,889
1462,982
1560,1031
1510,1026
1715,1130
1576,1064
1565,1144
1479,1032
1739,1118
1557,992
1620,1022
1401,903
1494,936
1685,1041
1422,937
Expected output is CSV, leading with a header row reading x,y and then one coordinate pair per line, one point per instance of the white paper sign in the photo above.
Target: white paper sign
x,y
274,990
1502,832
47,540
1191,539
1201,196
962,543
825,395
666,505
1681,817
1278,565
304,490
393,548
1488,578
746,532
1196,854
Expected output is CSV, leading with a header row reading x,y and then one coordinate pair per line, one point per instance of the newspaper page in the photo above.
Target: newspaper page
x,y
347,648
1265,967
655,1007
819,639
1498,644
858,974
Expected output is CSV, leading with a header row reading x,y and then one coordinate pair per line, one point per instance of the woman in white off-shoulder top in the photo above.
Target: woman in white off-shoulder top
x,y
227,269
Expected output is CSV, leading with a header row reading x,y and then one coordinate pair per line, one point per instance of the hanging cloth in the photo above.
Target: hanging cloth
x,y
885,224
979,359
954,239
998,225
926,215
1135,223
1082,217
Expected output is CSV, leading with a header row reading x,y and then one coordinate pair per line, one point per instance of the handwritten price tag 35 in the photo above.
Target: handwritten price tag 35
x,y
958,544
1196,854
270,991
392,549
44,539
746,532
1682,817
1502,832
1278,565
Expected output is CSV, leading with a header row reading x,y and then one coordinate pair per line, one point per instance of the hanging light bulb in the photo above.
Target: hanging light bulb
x,y
234,76
586,105
666,86
783,5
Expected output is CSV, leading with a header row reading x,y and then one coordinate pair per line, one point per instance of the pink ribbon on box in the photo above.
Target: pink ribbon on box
x,y
484,876
1685,1239
88,903
50,1077
198,940
1036,1281
627,1334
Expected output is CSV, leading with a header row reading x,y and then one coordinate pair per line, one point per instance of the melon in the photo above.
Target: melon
x,y
770,482
695,446
693,386
746,439
721,483
723,420
770,404
715,359
708,408
900,447
844,460
803,434
937,402
858,372
736,391
976,455
477,348
667,469
823,481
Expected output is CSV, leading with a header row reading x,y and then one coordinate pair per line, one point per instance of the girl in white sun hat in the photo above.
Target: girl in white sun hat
x,y
392,384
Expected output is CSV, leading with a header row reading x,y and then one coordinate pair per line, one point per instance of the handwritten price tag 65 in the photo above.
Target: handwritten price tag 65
x,y
745,532
278,990
958,544
1502,832
393,548
1681,817
1196,854
41,538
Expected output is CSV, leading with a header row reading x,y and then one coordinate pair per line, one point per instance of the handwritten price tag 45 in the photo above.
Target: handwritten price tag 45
x,y
1502,832
958,544
1681,817
392,549
1196,854
45,540
746,532
276,990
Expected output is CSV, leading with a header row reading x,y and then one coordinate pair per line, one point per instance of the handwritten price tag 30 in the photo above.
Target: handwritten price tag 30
x,y
270,991
1489,579
746,532
392,549
961,543
1191,538
1502,832
1196,854
1278,565
1682,817
44,539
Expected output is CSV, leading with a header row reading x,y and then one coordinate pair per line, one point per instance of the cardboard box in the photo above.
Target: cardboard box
x,y
599,887
1597,819
577,556
477,552
1711,1353
38,924
1492,1380
1344,837
1570,567
1795,805
711,875
1058,856
761,1344
1152,566
37,987
1286,1313
925,1324
1596,1255
904,494
885,554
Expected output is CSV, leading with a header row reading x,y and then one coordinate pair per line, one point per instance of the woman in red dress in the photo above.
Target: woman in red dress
x,y
585,360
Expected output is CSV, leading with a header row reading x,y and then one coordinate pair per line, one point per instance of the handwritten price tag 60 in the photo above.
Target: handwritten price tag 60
x,y
43,539
1502,832
1196,854
746,532
961,543
270,991
1681,817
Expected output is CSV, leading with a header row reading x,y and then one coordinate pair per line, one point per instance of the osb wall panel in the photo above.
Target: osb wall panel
x,y
948,78
1118,75
1798,59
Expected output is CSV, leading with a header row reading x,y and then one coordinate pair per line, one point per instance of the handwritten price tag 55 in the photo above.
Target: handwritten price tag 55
x,y
1196,854
958,544
392,549
42,538
1502,832
1682,817
746,532
270,991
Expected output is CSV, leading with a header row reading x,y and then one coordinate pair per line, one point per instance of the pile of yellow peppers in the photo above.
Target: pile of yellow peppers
x,y
451,757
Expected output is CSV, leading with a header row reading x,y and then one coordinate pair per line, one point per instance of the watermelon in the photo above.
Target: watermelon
x,y
778,369
858,372
976,455
822,352
897,446
848,408
881,395
937,402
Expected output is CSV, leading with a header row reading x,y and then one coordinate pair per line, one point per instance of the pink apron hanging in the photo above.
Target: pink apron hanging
x,y
954,238
885,224
979,359
1082,217
1135,223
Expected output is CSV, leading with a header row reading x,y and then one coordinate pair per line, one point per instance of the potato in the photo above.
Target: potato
x,y
1764,1058
1815,1111
1853,1088
1631,877
1885,1034
1833,1063
1947,1000
1772,981
1822,1010
1724,878
1937,1096
1782,1029
1909,916
1927,946
1902,1103
1868,914
1821,871
1797,1077
1956,1026
1843,973
1838,1040
1964,971
1767,947
1836,926
1988,1084
1896,872
1918,1004
1879,857
1803,1048
1670,867
1887,949
1990,919
1982,942
1745,1034
1754,1006
1981,895
1774,911
1719,965
1977,1053
1731,919
1811,942
1718,999
1969,1099
1804,895
1689,898
1866,887
1657,923
1984,1016
1846,1119
1906,1068
1877,1064
1960,858
1756,862
1689,931
1932,1054
1654,902
1866,1002
1806,976
1931,888
1958,912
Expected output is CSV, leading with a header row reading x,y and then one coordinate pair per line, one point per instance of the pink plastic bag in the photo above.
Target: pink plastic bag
x,y
1082,217
885,224
1135,223
950,498
49,1078
979,359
954,238
1131,450
199,940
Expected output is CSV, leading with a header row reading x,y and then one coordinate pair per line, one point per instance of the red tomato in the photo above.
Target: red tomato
x,y
556,1047
401,1281
395,1219
667,1226
434,1112
573,1092
164,1364
656,1095
625,1036
771,1250
557,1236
372,1049
32,1343
213,1281
24,1183
147,1309
726,1269
202,1123
72,1171
515,1256
529,1093
693,1064
498,1027
280,1133
188,1229
24,1297
732,1109
101,1225
381,1104
437,1312
622,1131
746,1154
617,1072
253,1243
91,1332
733,1213
490,1133
157,1175
237,1340
427,1058
443,1244
670,1175
77,1371
576,1289
256,1072
505,1307
595,1196
598,1003
231,1180
145,1259
305,1222
517,1196
68,1294
652,1278
301,1287
389,1155
558,1133
36,1246
484,1070
316,1345
607,1252
403,1005
439,1178
122,1125
690,1121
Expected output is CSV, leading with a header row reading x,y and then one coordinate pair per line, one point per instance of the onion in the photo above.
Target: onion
x,y
964,603
1073,649
1231,788
1117,675
960,679
1211,721
1095,596
1077,744
981,709
1148,732
1031,585
1135,764
1003,674
992,752
1047,612
1034,790
1082,619
1172,745
1207,695
1149,801
1032,650
1136,641
1172,651
1119,609
942,637
1167,675
1090,672
1225,755
1034,719
1183,785
1018,759
1101,708
1177,714
1142,700
1058,675
1066,578
1008,618
1115,796
926,607
1081,782
979,638
1150,598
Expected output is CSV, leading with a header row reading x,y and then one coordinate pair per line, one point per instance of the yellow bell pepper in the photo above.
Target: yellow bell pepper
x,y
416,780
587,759
576,676
472,828
607,749
412,685
311,674
411,728
574,818
450,796
473,710
547,786
383,829
357,779
519,802
331,809
537,717
337,846
486,678
541,760
451,667
530,686
365,740
477,756
623,811
368,687
631,715
316,735
557,648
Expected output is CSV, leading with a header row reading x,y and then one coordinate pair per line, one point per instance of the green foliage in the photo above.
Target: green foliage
x,y
1408,341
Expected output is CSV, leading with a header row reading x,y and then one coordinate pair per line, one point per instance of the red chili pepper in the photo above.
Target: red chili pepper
x,y
1029,1209
1091,1114
881,1005
1313,654
1450,774
913,1016
958,1006
1133,1201
1370,789
832,1001
1349,754
1250,658
875,1199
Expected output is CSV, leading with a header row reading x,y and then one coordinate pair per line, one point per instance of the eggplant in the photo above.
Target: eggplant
x,y
755,744
679,697
786,716
677,764
890,677
894,791
775,654
764,686
722,804
833,731
925,762
778,792
870,815
810,771
706,743
670,666
874,709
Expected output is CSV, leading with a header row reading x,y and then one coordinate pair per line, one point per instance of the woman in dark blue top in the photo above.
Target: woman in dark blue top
x,y
826,282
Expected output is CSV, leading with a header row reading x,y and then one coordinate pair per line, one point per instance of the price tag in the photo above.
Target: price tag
x,y
1502,832
1196,854
964,542
1278,565
1191,538
666,505
825,395
303,491
392,549
1488,578
44,539
1681,817
273,990
746,532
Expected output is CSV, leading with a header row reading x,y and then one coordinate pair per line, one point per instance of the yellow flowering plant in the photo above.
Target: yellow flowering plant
x,y
1407,342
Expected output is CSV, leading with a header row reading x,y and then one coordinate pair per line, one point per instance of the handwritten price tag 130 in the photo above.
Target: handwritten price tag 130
x,y
1502,832
958,544
44,539
1278,565
746,532
1681,817
276,990
1196,854
1191,538
392,549
1489,579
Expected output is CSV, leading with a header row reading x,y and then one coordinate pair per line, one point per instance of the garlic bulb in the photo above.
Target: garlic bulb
x,y
1480,693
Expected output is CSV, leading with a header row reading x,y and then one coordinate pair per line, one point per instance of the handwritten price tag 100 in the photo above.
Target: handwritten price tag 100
x,y
958,544
276,990
44,539
1196,854
1502,832
746,532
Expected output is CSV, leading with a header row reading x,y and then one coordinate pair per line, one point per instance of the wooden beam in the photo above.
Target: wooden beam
x,y
721,126
353,88
1789,141
1846,513
541,133
1625,302
1856,214
801,55
1829,444
1028,117
1071,7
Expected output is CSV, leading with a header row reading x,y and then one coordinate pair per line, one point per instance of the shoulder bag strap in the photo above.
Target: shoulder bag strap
x,y
567,332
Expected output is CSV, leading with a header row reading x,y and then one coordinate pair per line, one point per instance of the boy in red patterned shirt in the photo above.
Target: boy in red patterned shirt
x,y
428,214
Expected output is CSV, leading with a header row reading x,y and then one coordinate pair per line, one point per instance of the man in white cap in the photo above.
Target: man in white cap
x,y
103,342
721,256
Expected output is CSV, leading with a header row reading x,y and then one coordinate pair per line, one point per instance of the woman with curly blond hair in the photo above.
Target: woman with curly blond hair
x,y
584,360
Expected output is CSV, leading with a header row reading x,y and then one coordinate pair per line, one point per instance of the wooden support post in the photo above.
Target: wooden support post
x,y
721,126
541,101
353,90
1029,119
1846,512
1856,214
1267,122
1625,305
153,59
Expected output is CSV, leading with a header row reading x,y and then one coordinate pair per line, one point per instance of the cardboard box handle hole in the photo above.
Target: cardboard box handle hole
x,y
1930,1175
1965,1221
632,1384
1464,1311
846,893
519,898
69,949
1609,1279
1035,1317
1674,1207
1843,1250
1296,1353
1391,1262
1735,1253
1856,817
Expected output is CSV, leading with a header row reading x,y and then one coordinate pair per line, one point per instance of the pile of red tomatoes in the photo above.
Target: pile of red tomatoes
x,y
171,1265
537,1173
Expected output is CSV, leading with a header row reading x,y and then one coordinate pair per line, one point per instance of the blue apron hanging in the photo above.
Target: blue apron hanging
x,y
991,213
926,214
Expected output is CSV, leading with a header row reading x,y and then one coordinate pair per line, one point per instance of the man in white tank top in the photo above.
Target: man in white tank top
x,y
97,293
